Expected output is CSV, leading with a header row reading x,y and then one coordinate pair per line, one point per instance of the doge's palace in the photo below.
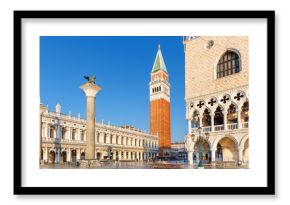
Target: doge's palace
x,y
217,99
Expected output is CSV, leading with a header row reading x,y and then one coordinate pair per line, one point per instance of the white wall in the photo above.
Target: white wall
x,y
6,102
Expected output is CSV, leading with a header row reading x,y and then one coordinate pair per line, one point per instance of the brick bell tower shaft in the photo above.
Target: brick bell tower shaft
x,y
160,104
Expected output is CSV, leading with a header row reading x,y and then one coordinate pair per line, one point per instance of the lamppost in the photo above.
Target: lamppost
x,y
200,141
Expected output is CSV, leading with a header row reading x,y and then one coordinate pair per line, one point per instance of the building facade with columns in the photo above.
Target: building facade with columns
x,y
178,151
217,98
63,139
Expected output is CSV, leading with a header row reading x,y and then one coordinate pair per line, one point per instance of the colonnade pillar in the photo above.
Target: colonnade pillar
x,y
225,120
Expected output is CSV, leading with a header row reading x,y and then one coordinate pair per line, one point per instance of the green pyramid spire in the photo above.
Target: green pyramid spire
x,y
159,62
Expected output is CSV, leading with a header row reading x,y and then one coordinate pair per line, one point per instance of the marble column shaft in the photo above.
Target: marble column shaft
x,y
90,90
90,128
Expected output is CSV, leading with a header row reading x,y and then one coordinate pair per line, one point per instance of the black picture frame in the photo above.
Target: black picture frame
x,y
19,189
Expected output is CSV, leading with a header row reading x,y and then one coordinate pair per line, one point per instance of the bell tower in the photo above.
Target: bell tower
x,y
160,105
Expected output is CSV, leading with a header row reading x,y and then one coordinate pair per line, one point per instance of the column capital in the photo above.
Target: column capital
x,y
241,148
90,89
213,149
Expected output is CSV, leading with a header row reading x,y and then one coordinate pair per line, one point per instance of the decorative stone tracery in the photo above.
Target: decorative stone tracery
x,y
224,118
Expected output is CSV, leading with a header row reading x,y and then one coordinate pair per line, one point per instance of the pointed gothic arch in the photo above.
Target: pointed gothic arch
x,y
232,116
206,118
218,116
245,114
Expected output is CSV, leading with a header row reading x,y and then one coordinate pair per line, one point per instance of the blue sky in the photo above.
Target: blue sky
x,y
122,66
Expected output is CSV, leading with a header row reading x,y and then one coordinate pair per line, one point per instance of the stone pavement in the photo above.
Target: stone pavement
x,y
135,165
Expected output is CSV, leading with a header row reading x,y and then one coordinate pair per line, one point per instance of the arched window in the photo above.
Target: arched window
x,y
97,137
228,64
206,119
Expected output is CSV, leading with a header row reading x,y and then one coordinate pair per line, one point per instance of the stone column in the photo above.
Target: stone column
x,y
45,155
69,134
78,134
141,155
212,121
96,136
90,89
225,120
130,155
101,138
66,136
241,154
85,135
48,131
119,154
213,155
55,132
68,155
190,157
239,119
78,154
44,130
200,120
189,126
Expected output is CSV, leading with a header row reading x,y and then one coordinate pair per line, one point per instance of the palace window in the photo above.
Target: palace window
x,y
228,64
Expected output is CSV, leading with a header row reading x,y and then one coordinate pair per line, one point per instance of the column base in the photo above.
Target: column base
x,y
89,163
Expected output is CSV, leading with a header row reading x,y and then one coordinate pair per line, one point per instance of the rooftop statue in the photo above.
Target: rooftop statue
x,y
90,79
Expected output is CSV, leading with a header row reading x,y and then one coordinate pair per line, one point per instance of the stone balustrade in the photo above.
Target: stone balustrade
x,y
221,128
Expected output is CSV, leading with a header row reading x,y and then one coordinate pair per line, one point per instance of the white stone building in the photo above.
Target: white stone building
x,y
63,139
217,99
178,151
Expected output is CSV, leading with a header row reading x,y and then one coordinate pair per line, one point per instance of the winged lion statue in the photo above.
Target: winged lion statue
x,y
90,79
